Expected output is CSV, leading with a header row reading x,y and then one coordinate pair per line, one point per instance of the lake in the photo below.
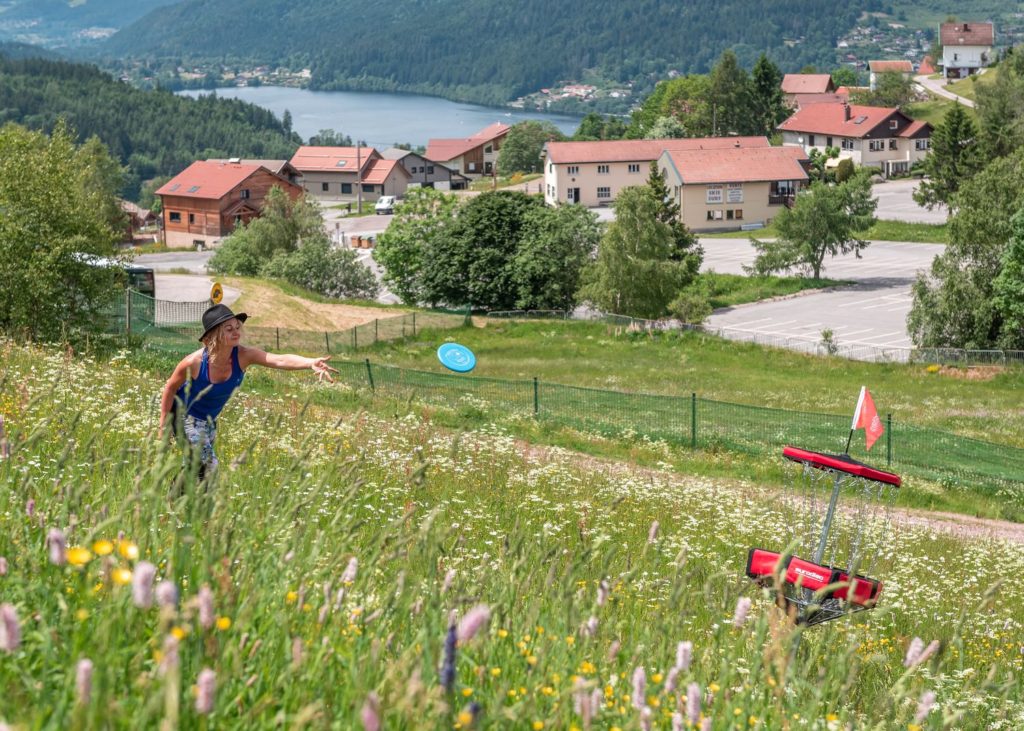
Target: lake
x,y
381,119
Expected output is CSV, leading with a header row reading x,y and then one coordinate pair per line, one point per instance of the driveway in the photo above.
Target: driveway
x,y
896,203
864,317
938,87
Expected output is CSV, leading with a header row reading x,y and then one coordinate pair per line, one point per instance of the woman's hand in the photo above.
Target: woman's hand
x,y
322,370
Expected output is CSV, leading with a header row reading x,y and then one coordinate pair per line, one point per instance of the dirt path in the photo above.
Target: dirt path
x,y
268,306
960,526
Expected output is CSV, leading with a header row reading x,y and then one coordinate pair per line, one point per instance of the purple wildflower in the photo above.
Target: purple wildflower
x,y
913,652
639,686
206,618
742,607
166,594
684,655
207,686
169,661
58,546
370,714
475,618
924,706
449,577
671,680
83,680
10,630
142,584
677,722
602,593
646,718
590,627
448,664
613,650
693,703
932,648
350,571
30,507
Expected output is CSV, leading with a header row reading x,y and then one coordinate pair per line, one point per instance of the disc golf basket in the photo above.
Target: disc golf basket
x,y
824,574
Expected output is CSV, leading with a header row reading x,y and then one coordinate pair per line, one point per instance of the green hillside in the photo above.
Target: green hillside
x,y
152,132
487,50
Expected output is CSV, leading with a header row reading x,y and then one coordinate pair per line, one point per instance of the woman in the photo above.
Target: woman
x,y
203,381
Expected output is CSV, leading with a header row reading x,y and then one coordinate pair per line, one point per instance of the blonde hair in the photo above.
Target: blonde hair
x,y
214,341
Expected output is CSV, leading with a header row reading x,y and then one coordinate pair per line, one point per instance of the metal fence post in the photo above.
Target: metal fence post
x,y
536,397
277,334
128,312
375,335
327,341
355,340
693,420
888,440
369,375
413,324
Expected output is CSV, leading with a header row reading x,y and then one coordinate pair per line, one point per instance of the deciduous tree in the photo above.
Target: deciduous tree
x,y
824,221
421,217
556,243
521,150
634,273
1009,288
54,216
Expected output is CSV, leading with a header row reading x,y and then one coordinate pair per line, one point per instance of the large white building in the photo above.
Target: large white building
x,y
966,47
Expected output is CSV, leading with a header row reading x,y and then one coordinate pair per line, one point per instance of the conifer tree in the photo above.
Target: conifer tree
x,y
955,156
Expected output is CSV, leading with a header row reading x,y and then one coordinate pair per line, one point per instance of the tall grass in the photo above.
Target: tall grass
x,y
340,548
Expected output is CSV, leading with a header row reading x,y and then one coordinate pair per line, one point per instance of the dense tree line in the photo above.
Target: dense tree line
x,y
971,296
153,133
489,50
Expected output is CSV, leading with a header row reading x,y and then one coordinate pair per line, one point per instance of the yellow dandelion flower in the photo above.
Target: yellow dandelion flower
x,y
103,547
223,623
547,690
179,633
656,678
570,640
121,576
537,725
82,614
608,691
737,711
714,687
531,659
502,633
540,630
752,720
832,717
128,549
78,556
556,678
465,718
913,727
495,672
291,596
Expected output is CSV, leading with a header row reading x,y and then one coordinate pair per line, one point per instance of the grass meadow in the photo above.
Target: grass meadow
x,y
348,568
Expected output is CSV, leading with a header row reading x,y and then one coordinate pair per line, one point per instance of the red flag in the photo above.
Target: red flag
x,y
866,416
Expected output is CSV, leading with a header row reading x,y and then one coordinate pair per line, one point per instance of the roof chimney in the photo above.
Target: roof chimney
x,y
846,111
966,28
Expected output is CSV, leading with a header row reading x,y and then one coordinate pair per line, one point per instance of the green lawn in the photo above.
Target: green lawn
x,y
729,290
881,231
967,88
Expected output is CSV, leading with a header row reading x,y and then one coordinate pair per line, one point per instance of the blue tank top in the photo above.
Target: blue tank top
x,y
204,399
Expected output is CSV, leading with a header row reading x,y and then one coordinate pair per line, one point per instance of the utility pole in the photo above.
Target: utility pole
x,y
359,179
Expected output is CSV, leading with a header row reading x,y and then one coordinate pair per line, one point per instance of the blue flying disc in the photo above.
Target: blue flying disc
x,y
456,357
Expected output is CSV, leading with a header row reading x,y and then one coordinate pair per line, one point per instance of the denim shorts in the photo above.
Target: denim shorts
x,y
200,434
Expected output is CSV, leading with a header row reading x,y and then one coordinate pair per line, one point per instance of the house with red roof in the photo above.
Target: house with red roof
x,y
206,201
880,137
592,173
794,85
966,47
729,188
472,156
902,67
348,174
426,173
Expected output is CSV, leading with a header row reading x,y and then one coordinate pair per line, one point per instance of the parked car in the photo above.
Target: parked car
x,y
385,204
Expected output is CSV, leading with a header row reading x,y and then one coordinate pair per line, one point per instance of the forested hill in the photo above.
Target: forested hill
x,y
489,50
155,133
64,23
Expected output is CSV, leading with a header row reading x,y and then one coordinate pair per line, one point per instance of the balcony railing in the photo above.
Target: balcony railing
x,y
776,199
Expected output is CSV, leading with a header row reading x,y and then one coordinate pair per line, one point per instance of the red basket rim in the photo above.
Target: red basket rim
x,y
840,463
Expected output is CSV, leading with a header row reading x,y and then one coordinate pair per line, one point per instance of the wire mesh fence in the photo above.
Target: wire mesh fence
x,y
175,326
704,423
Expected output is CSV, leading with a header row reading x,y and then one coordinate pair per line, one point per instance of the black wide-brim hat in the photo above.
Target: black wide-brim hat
x,y
218,314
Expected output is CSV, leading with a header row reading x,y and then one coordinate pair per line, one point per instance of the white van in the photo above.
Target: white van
x,y
385,204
